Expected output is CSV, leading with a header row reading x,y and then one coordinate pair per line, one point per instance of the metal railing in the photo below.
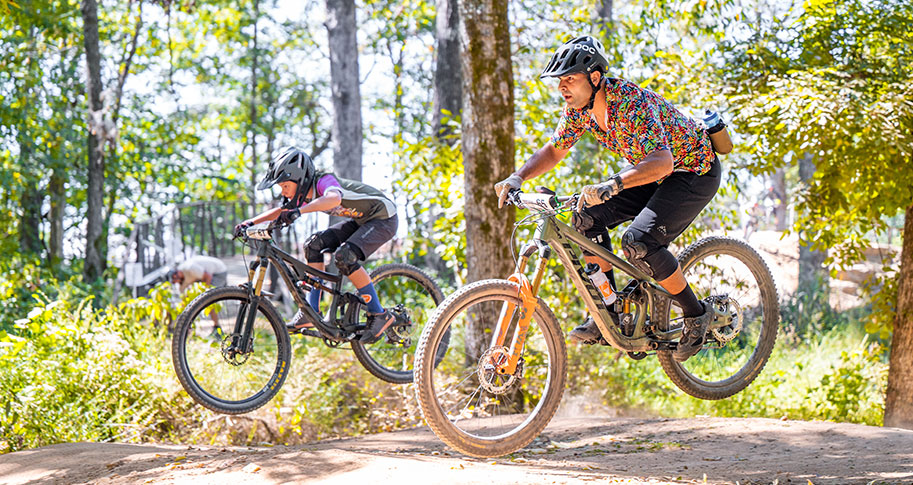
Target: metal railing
x,y
157,244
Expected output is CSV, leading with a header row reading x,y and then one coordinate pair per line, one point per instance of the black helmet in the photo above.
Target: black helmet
x,y
583,54
290,164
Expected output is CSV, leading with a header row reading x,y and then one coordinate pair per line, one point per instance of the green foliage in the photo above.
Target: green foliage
x,y
24,282
162,305
835,84
68,373
838,376
881,293
807,314
431,175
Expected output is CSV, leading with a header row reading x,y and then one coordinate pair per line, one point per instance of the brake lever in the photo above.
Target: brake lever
x,y
572,202
513,196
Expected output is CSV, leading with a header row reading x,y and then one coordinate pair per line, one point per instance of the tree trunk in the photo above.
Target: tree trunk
x,y
813,276
96,239
603,19
898,403
446,103
488,145
253,108
778,197
57,191
30,218
30,196
344,80
448,75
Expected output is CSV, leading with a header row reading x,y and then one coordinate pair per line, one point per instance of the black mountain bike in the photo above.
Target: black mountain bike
x,y
241,368
503,376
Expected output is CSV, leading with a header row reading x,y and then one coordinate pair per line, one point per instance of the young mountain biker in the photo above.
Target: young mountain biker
x,y
372,222
673,174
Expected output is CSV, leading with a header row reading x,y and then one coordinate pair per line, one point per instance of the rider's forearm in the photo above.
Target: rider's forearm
x,y
541,162
323,203
653,167
269,215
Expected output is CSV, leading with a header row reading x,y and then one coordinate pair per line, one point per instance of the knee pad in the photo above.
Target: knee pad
x,y
647,255
314,246
635,251
346,259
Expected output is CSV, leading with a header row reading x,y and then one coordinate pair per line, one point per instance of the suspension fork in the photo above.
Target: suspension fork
x,y
528,303
244,324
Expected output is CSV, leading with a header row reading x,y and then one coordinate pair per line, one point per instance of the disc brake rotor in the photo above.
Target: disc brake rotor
x,y
726,333
401,331
231,354
489,378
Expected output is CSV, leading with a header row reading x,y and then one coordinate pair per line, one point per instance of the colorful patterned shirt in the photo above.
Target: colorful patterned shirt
x,y
639,122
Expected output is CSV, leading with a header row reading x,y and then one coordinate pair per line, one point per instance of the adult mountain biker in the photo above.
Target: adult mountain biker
x,y
672,175
372,222
207,269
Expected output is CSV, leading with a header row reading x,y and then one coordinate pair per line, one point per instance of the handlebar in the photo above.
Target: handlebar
x,y
262,231
540,202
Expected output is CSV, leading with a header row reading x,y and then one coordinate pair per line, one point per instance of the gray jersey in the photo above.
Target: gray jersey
x,y
360,202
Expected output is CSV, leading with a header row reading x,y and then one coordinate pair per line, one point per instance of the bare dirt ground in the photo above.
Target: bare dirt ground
x,y
571,450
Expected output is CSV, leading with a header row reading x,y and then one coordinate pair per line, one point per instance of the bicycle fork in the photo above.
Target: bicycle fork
x,y
244,324
528,301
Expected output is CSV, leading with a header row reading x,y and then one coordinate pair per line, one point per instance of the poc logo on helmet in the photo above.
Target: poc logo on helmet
x,y
585,47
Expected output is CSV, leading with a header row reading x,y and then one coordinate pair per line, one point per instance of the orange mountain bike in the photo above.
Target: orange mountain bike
x,y
503,376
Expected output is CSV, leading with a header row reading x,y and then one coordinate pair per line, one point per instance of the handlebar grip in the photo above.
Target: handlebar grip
x,y
261,232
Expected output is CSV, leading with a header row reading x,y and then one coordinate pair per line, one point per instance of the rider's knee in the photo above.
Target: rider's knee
x,y
346,259
647,254
315,245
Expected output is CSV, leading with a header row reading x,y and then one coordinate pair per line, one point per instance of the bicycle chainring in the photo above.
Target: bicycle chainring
x,y
490,379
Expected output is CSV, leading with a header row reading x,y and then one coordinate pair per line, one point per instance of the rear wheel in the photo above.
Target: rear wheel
x,y
211,365
732,277
467,403
412,296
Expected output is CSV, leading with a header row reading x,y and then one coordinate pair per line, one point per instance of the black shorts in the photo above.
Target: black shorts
x,y
366,238
661,210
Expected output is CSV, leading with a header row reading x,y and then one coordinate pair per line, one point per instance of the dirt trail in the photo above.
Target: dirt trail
x,y
603,450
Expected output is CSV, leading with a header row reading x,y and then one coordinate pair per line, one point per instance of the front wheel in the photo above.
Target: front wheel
x,y
468,404
212,364
412,296
731,276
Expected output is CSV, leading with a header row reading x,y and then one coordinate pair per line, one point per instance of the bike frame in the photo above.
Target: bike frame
x,y
553,234
329,326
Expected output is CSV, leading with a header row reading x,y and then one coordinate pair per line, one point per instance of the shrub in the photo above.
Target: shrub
x,y
70,373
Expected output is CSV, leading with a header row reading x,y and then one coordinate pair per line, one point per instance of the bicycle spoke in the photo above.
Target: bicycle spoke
x,y
413,297
492,408
732,287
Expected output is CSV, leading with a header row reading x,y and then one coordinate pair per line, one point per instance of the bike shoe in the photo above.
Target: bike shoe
x,y
588,333
298,322
377,324
693,332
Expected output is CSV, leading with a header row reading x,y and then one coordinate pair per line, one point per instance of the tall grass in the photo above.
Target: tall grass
x,y
71,373
824,366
